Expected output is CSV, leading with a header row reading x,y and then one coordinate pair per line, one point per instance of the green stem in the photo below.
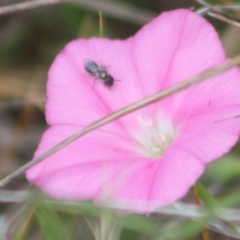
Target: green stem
x,y
109,229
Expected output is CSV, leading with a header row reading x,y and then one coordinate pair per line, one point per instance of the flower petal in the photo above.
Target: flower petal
x,y
73,95
97,146
173,47
107,164
178,171
146,185
210,135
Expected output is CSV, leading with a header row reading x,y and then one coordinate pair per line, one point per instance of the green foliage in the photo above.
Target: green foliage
x,y
51,225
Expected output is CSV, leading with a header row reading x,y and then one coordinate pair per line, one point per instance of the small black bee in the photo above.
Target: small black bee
x,y
99,72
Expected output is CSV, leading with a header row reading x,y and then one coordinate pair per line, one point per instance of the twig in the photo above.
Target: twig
x,y
233,7
25,227
28,5
217,12
226,18
116,10
204,10
133,107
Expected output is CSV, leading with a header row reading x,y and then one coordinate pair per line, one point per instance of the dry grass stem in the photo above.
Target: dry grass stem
x,y
115,10
133,107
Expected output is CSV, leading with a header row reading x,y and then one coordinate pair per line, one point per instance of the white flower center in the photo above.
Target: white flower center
x,y
155,135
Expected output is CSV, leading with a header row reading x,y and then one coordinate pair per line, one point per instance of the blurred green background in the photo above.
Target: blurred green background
x,y
29,42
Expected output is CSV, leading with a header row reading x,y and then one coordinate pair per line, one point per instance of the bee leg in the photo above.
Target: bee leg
x,y
104,67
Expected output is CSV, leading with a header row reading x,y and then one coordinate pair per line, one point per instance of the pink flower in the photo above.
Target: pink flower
x,y
149,158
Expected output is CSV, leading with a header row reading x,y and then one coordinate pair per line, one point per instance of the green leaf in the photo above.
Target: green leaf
x,y
140,224
51,225
13,196
187,229
203,193
87,208
230,199
225,169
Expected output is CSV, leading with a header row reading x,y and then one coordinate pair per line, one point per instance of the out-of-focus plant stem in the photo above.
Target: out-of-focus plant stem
x,y
100,24
108,227
218,13
25,226
205,233
113,9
